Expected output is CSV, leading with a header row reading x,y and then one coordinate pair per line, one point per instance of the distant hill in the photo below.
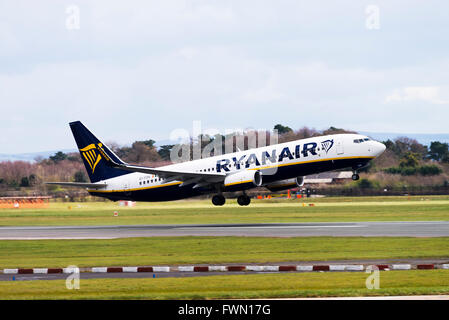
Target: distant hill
x,y
30,157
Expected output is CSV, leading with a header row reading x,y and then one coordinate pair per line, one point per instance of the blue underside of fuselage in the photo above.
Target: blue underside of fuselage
x,y
177,192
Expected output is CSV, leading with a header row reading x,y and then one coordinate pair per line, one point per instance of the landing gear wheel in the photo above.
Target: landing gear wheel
x,y
243,200
355,177
218,200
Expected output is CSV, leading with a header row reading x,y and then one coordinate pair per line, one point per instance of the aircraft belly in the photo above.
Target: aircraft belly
x,y
152,194
304,169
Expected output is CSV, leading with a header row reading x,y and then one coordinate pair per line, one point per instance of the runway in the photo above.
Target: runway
x,y
334,229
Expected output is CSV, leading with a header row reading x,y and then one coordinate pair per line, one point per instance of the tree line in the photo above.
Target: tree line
x,y
403,156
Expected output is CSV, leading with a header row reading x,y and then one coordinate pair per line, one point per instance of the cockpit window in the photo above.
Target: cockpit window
x,y
361,140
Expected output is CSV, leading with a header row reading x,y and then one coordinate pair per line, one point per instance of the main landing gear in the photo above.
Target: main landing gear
x,y
243,200
355,176
218,200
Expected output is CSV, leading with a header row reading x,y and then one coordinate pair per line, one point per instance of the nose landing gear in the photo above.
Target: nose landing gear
x,y
355,175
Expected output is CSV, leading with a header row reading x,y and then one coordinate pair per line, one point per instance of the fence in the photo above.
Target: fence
x,y
24,202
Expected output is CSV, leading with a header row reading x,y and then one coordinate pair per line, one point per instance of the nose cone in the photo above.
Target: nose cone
x,y
379,148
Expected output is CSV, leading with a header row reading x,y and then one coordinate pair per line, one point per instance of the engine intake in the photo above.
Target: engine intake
x,y
243,180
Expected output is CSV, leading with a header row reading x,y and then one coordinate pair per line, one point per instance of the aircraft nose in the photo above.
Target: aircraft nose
x,y
379,148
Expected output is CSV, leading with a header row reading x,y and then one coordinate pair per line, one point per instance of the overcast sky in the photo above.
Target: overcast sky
x,y
141,69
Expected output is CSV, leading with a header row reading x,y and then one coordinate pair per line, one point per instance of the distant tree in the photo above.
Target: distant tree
x,y
141,152
38,158
438,151
13,184
79,176
74,156
33,179
367,184
306,132
149,143
24,182
164,151
430,170
333,130
410,160
282,129
390,145
58,156
403,145
114,146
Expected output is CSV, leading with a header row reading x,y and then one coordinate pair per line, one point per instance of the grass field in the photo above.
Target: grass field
x,y
235,286
196,250
202,211
220,250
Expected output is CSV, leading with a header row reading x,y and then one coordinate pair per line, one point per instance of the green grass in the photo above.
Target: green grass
x,y
221,250
331,209
196,250
235,286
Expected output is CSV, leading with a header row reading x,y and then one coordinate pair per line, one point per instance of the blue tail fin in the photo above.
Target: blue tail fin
x,y
94,154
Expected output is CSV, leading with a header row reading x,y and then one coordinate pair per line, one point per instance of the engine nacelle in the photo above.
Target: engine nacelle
x,y
243,180
286,184
300,181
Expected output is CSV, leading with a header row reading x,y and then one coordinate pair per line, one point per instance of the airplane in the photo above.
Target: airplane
x,y
276,167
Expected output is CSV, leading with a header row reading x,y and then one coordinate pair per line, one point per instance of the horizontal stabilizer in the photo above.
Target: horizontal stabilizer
x,y
79,184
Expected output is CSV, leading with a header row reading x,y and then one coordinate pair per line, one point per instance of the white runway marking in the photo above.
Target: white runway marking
x,y
276,227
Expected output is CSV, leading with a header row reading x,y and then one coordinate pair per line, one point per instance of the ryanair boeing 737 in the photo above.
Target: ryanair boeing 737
x,y
276,167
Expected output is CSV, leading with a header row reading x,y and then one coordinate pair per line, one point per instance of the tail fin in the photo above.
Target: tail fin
x,y
95,154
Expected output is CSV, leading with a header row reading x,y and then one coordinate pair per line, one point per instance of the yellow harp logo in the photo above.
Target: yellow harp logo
x,y
92,156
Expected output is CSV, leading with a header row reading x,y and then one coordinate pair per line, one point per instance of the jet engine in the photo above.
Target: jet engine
x,y
245,179
285,184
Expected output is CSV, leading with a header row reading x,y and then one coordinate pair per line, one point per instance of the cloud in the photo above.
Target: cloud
x,y
139,70
412,94
269,92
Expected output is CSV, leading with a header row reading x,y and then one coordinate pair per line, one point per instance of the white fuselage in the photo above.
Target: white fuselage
x,y
270,160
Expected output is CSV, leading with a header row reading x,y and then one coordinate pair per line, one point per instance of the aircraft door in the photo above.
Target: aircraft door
x,y
339,147
126,189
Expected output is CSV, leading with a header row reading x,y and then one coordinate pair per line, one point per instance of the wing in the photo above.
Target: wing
x,y
187,177
79,184
170,175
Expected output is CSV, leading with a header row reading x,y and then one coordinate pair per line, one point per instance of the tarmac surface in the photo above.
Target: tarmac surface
x,y
335,229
